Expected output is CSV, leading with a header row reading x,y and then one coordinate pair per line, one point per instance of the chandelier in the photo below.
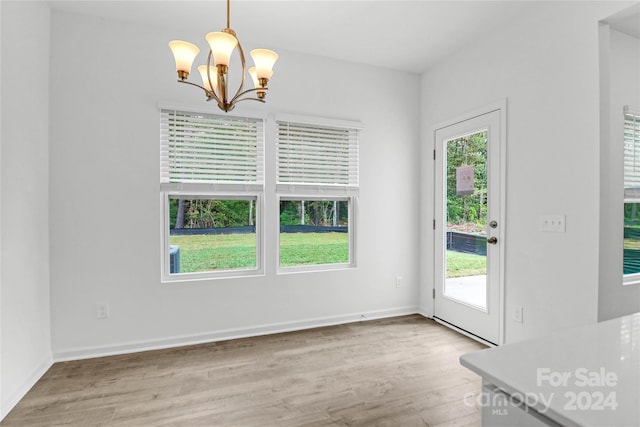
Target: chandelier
x,y
216,72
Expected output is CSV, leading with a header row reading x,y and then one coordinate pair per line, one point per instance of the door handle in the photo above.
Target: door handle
x,y
492,240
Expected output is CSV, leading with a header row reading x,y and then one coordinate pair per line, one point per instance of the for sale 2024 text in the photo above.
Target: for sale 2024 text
x,y
589,389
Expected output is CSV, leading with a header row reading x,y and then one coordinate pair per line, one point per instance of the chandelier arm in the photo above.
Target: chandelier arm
x,y
249,99
244,70
255,89
210,94
213,92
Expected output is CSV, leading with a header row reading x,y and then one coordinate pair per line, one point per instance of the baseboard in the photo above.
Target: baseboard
x,y
424,313
15,397
252,331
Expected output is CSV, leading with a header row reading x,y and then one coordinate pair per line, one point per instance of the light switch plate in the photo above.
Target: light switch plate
x,y
516,314
553,223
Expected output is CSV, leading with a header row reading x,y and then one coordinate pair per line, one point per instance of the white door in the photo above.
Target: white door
x,y
469,225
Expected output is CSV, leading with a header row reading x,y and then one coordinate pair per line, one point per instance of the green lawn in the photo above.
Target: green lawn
x,y
313,248
461,265
238,251
216,252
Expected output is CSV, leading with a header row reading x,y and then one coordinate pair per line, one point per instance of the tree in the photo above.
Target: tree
x,y
180,215
464,151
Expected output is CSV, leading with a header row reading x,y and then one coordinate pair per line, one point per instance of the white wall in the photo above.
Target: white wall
x,y
105,235
547,68
25,321
620,86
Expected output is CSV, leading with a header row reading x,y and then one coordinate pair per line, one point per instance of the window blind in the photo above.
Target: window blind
x,y
204,148
631,156
313,154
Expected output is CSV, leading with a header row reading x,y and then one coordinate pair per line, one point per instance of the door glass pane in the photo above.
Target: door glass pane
x,y
466,219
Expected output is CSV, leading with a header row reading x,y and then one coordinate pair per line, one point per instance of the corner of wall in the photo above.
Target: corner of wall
x,y
25,334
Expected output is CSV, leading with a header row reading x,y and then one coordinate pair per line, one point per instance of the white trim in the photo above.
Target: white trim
x,y
490,108
319,121
312,268
213,188
631,279
167,278
627,111
423,312
351,226
17,395
326,197
317,190
503,214
212,109
78,353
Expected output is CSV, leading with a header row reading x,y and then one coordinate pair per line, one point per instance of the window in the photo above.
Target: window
x,y
314,232
211,234
317,185
631,267
212,180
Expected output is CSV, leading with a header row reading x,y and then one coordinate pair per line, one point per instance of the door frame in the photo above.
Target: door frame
x,y
501,107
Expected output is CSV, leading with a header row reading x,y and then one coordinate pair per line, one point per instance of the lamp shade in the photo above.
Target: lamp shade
x,y
205,79
184,53
264,60
222,45
254,76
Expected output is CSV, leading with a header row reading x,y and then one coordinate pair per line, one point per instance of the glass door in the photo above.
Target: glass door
x,y
468,225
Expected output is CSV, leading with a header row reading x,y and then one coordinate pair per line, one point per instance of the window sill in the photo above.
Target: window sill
x,y
631,280
316,268
209,276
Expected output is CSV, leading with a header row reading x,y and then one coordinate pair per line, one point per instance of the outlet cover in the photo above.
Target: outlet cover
x,y
102,311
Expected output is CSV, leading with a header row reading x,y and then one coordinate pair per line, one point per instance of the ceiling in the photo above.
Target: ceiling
x,y
403,35
627,21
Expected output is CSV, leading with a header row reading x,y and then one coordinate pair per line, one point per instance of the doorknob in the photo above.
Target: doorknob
x,y
492,240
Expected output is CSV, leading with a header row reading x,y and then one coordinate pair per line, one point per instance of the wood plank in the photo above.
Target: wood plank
x,y
390,372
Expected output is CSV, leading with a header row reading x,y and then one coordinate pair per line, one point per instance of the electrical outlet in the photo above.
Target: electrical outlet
x,y
102,310
516,313
553,223
398,281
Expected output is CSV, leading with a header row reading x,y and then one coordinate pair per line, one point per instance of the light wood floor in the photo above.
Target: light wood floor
x,y
394,372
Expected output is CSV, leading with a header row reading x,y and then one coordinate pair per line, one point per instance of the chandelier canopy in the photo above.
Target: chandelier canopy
x,y
216,71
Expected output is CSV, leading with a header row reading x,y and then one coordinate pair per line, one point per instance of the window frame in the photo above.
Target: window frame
x,y
215,189
351,231
347,191
631,278
633,196
168,277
